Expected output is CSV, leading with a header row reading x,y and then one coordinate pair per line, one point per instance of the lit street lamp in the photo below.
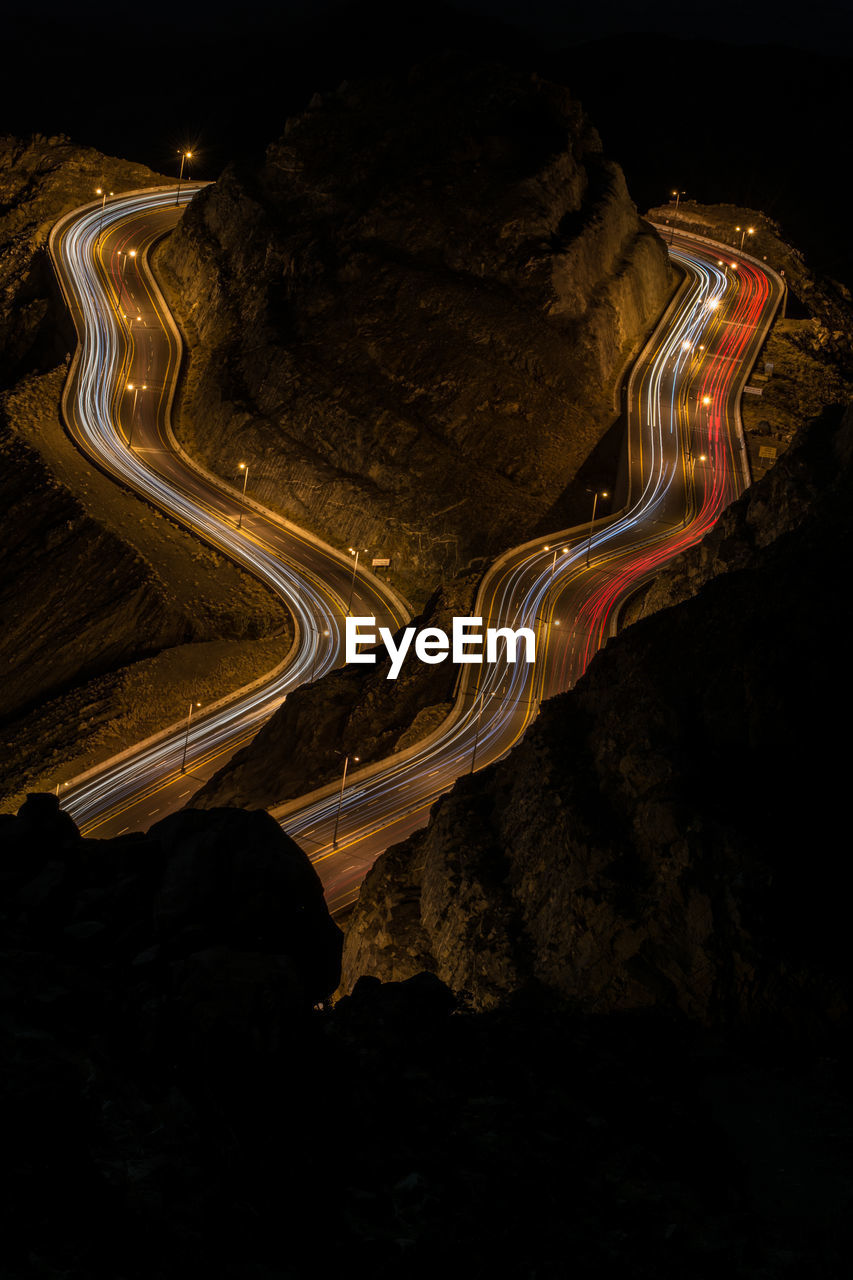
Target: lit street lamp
x,y
353,552
102,192
131,253
185,155
678,195
554,563
135,388
341,799
592,522
187,735
744,232
244,467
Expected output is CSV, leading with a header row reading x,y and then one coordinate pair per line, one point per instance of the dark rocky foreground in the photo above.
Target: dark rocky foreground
x,y
175,1105
413,313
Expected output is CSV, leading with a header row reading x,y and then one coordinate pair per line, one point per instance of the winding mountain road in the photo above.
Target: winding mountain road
x,y
685,463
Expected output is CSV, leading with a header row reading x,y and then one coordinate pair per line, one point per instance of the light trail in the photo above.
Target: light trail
x,y
91,251
683,401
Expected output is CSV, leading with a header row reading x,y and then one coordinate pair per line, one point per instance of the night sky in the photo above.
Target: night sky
x,y
682,94
822,25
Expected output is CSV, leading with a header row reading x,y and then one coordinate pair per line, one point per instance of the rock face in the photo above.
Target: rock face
x,y
664,834
223,896
412,314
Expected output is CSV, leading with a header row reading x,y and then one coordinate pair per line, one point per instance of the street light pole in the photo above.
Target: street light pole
x,y
678,195
353,552
341,800
592,522
131,253
744,232
101,191
136,390
185,155
187,735
244,467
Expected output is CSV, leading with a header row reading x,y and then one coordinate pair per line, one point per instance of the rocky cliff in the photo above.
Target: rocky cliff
x,y
667,834
411,316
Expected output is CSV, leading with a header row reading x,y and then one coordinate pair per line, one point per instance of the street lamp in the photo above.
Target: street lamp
x,y
136,390
131,253
101,191
604,494
244,467
185,155
744,232
353,552
554,564
341,799
678,195
187,735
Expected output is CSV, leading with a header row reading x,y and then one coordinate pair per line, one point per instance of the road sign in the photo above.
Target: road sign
x,y
380,564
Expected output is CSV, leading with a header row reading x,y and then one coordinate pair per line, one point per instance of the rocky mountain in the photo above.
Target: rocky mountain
x,y
412,315
667,834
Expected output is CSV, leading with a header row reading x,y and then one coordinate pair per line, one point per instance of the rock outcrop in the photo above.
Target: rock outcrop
x,y
668,833
412,315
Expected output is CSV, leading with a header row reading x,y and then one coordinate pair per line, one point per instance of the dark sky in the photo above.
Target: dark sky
x,y
814,24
